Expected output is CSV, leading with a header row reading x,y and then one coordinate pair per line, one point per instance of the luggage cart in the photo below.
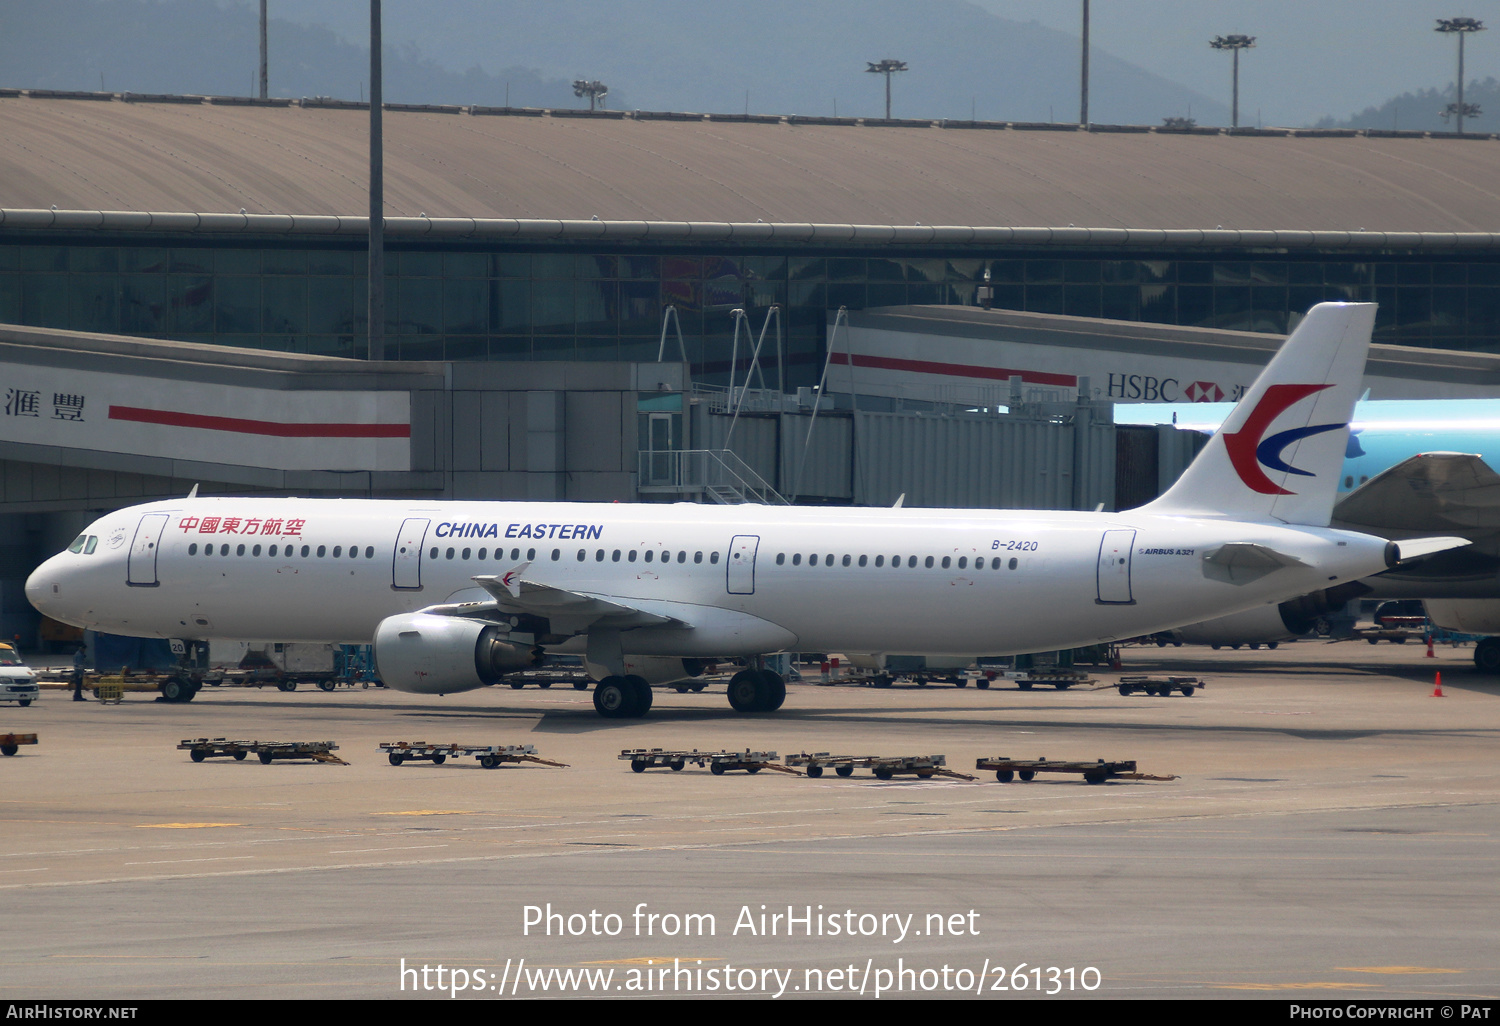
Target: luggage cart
x,y
883,766
1007,769
1163,686
718,763
489,756
10,744
202,748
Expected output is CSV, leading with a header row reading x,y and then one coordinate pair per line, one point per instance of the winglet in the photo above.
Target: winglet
x,y
509,581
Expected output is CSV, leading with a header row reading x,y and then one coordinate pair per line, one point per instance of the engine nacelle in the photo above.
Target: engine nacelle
x,y
655,669
436,655
1260,626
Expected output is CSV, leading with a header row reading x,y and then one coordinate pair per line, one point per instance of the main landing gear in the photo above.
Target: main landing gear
x,y
622,698
756,691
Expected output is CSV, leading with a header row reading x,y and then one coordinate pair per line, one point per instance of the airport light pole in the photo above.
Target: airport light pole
x,y
376,269
263,75
595,90
886,67
1461,26
1234,44
1083,86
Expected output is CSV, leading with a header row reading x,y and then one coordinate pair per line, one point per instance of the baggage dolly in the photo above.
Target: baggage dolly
x,y
1007,769
884,766
202,748
10,744
1163,686
489,756
718,763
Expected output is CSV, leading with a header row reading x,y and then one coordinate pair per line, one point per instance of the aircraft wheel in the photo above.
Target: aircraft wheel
x,y
772,691
175,689
1487,655
744,692
613,698
642,695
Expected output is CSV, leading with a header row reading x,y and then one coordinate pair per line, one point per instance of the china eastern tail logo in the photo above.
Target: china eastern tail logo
x,y
1248,451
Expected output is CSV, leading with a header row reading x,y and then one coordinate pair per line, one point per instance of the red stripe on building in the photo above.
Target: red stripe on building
x,y
275,429
957,370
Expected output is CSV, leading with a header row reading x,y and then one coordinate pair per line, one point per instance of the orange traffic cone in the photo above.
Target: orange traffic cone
x,y
1437,688
1430,653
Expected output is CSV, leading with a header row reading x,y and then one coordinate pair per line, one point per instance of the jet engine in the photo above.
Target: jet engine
x,y
436,655
1266,625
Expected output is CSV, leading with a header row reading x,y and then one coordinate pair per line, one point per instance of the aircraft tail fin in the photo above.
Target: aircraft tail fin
x,y
1279,453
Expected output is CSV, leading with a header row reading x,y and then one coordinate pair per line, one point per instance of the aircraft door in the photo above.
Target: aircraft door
x,y
143,549
1114,568
741,569
406,566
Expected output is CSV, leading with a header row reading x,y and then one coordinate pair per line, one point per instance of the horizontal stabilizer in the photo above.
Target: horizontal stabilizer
x,y
1435,491
1409,549
1243,562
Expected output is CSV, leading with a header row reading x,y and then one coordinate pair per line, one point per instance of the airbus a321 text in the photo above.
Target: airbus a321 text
x,y
455,595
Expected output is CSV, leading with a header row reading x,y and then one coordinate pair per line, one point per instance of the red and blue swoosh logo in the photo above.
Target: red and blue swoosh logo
x,y
1248,451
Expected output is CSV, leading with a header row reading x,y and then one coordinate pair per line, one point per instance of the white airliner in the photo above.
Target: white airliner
x,y
455,595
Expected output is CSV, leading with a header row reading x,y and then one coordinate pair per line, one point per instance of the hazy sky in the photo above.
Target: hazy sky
x,y
1311,57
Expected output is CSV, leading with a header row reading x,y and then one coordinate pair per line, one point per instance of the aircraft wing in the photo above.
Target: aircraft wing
x,y
1428,494
569,612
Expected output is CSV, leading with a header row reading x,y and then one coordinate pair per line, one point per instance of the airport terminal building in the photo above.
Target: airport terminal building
x,y
224,230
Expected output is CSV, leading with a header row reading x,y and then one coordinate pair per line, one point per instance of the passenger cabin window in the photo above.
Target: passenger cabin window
x,y
192,549
713,557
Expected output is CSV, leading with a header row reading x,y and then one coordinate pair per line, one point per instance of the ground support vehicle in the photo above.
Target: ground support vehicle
x,y
1007,769
10,744
1162,686
489,756
718,763
202,748
21,692
883,766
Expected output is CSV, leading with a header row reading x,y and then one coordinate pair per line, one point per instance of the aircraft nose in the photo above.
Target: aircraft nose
x,y
44,588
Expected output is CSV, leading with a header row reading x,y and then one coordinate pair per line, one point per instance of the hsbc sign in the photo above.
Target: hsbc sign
x,y
1147,388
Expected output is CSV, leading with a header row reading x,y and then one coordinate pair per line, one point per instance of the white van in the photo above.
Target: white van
x,y
17,682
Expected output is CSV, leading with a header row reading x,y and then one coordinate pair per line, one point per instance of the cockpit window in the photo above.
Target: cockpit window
x,y
91,545
77,545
